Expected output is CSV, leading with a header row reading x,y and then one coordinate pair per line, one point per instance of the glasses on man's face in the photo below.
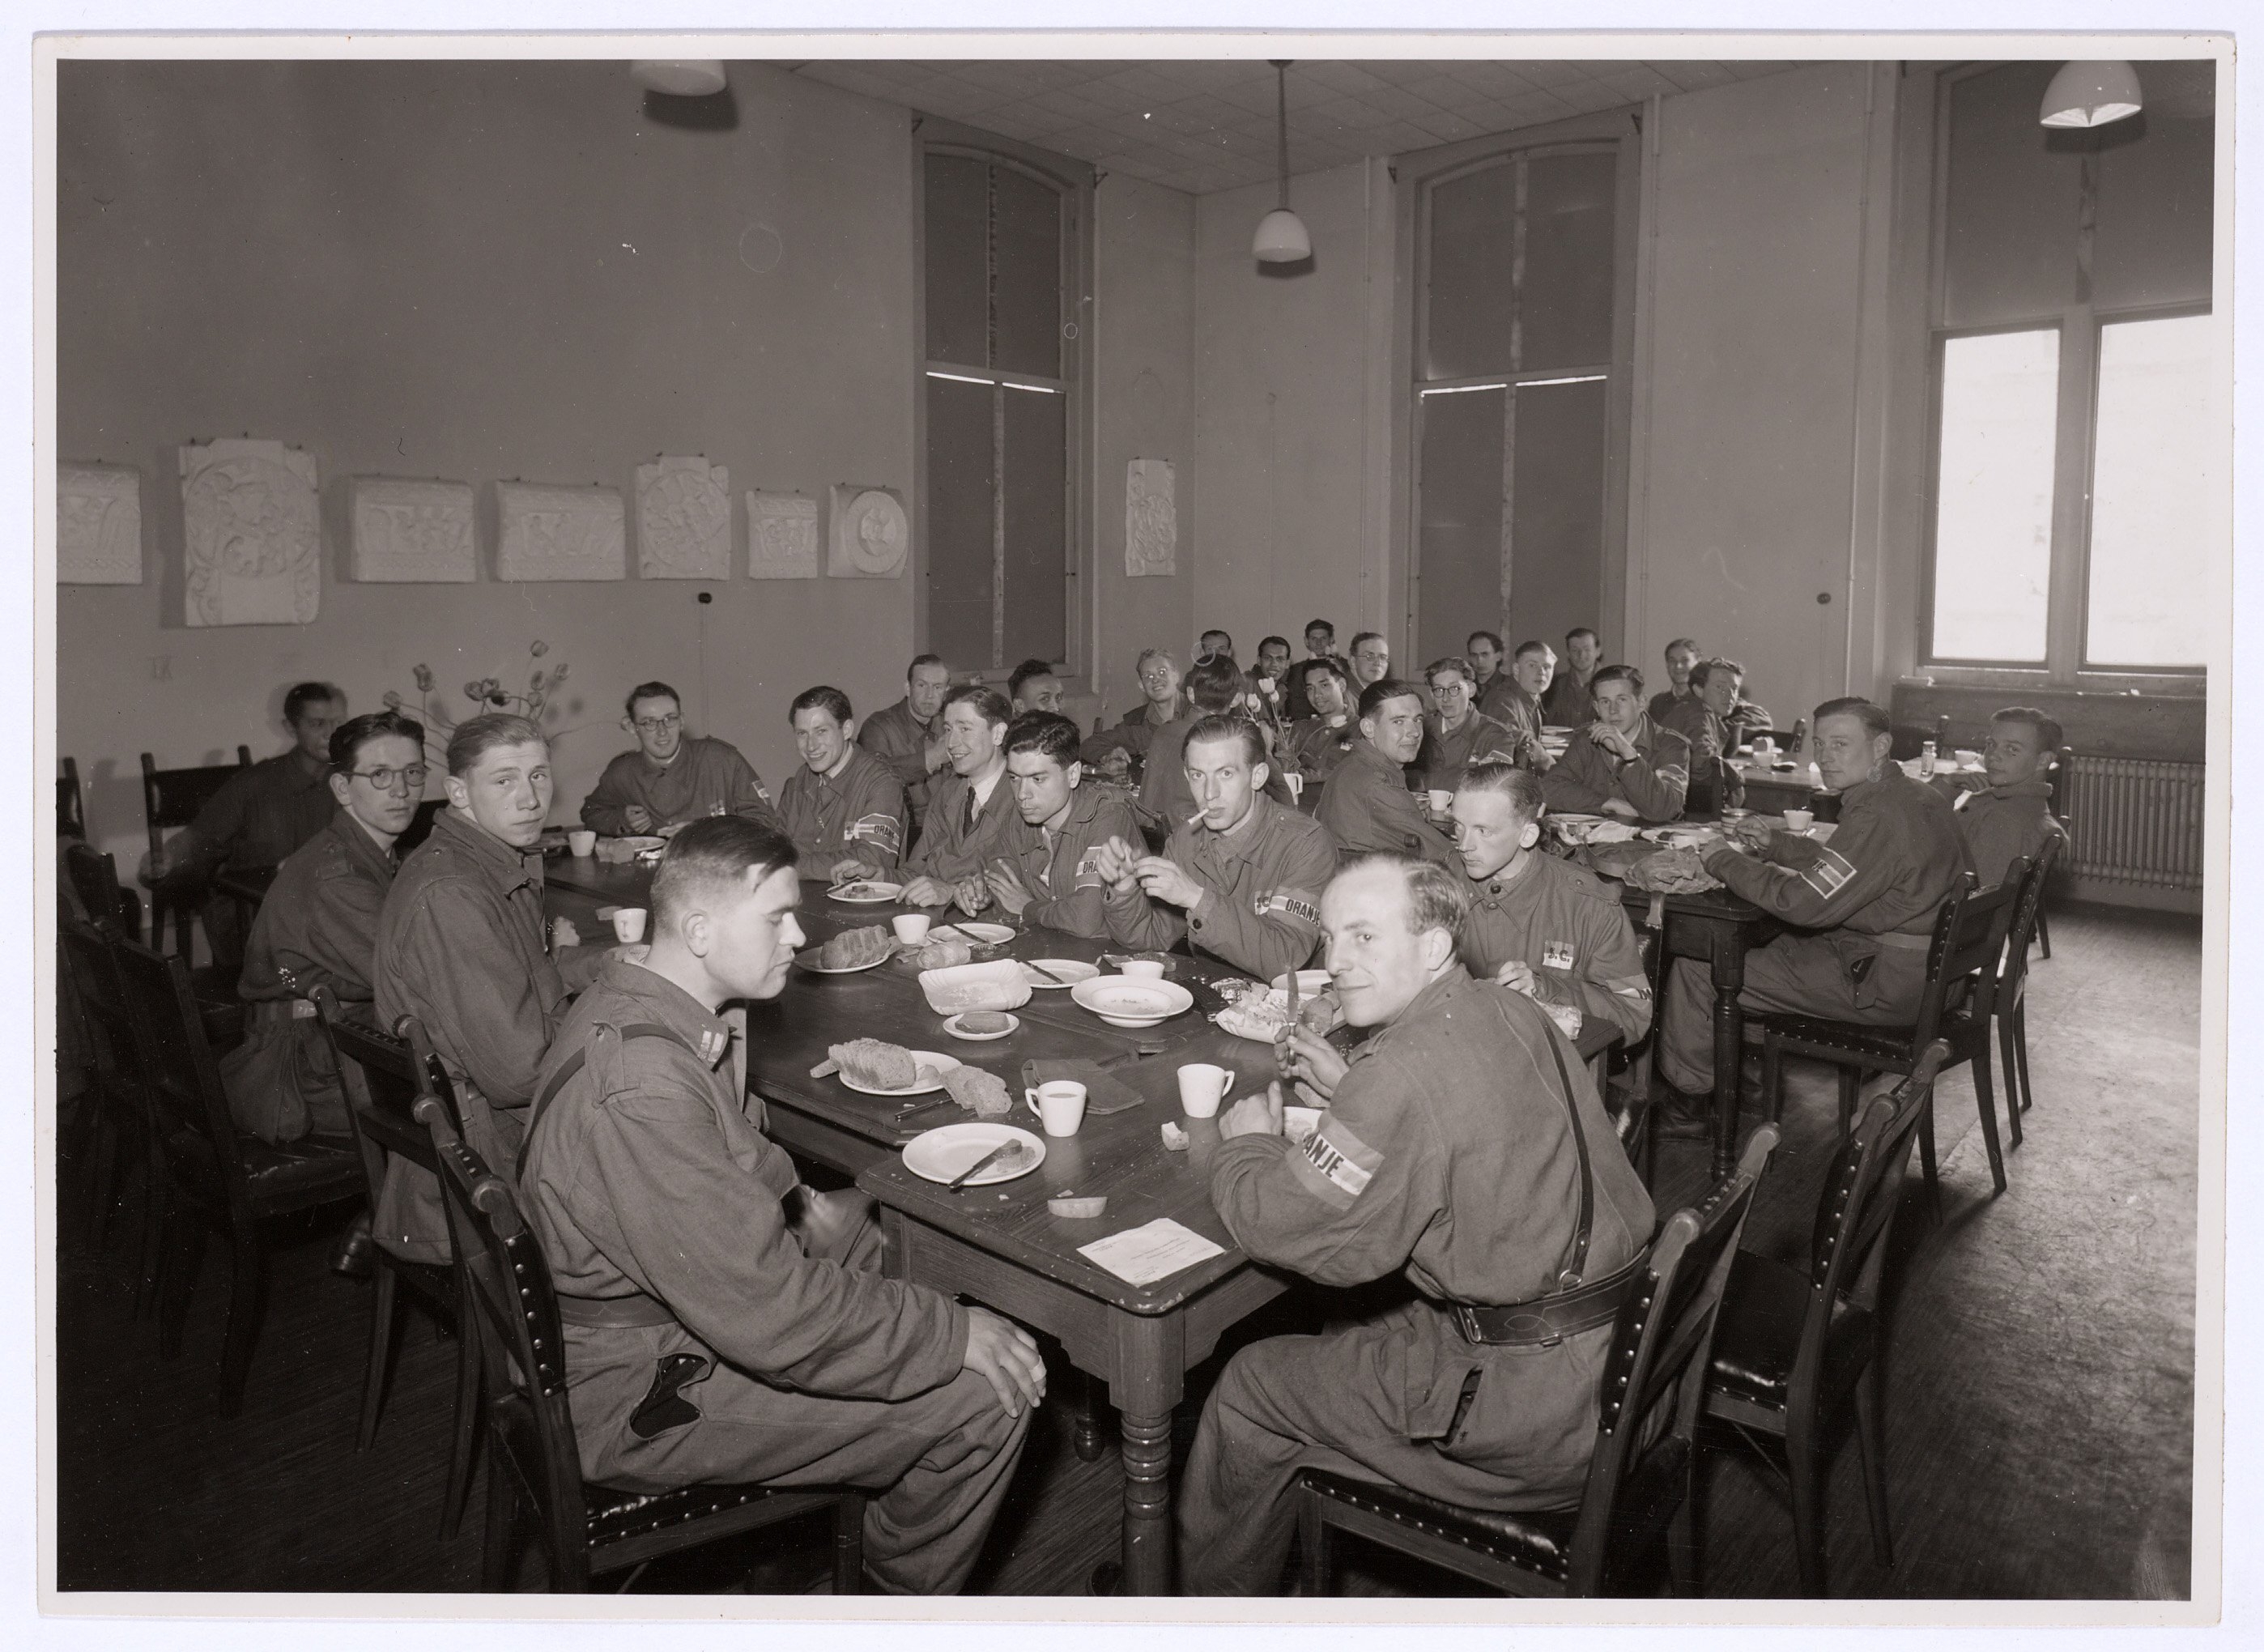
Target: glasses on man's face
x,y
409,779
660,725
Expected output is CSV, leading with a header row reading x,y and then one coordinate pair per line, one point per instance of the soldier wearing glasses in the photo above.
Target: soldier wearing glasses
x,y
673,777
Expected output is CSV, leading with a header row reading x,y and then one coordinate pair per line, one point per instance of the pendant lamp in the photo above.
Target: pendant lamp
x,y
2091,95
1281,237
679,76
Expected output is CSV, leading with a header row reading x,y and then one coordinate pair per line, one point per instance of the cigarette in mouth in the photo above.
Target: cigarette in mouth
x,y
1196,818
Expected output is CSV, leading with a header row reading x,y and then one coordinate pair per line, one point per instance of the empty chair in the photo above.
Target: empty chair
x,y
384,1078
171,798
115,1128
1639,1477
218,1180
588,1530
2013,985
1798,1349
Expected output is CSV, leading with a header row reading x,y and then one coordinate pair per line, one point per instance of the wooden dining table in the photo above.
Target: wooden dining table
x,y
1000,1244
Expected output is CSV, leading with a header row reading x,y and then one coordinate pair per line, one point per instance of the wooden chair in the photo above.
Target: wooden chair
x,y
218,1181
93,878
1969,939
1910,737
1797,1347
70,804
1629,1101
170,799
2060,777
589,1529
120,1126
2013,984
384,1079
1639,1476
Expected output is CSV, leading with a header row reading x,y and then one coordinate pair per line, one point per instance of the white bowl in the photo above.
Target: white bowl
x,y
1122,1001
998,984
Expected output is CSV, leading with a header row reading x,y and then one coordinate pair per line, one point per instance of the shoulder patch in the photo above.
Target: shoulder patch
x,y
1289,903
1830,873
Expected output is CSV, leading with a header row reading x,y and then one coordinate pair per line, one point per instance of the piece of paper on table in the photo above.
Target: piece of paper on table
x,y
1154,1250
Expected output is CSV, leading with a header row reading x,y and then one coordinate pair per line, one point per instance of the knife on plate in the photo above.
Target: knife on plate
x,y
989,1159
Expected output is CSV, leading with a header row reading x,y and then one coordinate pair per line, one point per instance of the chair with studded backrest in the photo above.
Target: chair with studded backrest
x,y
588,1530
170,799
2013,984
221,1181
384,1078
70,803
1960,997
1800,1349
121,1128
1639,1474
2060,778
93,878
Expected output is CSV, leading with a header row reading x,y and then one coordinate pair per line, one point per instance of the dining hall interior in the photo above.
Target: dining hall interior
x,y
923,515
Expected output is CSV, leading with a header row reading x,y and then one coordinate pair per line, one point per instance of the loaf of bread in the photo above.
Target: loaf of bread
x,y
943,954
985,1093
875,1064
853,949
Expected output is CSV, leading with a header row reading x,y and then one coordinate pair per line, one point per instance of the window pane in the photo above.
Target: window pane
x,y
1556,527
955,229
1473,246
1037,526
959,497
1993,505
1567,295
2157,509
1461,527
1029,274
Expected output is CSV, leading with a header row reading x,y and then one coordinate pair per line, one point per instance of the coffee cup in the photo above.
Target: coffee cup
x,y
1799,819
1143,969
1202,1085
583,843
1059,1104
628,924
1440,801
1968,759
912,928
1296,785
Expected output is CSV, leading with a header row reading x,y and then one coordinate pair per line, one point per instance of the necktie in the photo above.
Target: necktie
x,y
970,827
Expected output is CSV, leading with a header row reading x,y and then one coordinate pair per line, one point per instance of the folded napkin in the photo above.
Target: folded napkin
x,y
1103,1095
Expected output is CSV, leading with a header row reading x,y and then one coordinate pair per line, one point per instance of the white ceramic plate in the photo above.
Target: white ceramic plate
x,y
1070,971
1678,835
1308,982
1569,819
641,845
1123,1001
941,1154
951,1025
989,935
936,1065
865,894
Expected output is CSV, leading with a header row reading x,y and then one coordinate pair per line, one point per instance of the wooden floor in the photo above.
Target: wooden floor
x,y
2040,1415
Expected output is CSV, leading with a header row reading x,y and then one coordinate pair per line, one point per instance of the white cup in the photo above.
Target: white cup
x,y
1440,801
1296,785
1059,1104
912,928
583,842
1202,1085
1143,969
628,924
1799,819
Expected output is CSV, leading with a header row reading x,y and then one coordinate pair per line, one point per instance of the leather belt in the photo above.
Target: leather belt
x,y
1905,943
1549,1320
613,1312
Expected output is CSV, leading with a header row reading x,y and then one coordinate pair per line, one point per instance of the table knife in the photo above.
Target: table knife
x,y
981,1164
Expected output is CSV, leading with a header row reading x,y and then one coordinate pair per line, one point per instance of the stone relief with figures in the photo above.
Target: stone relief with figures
x,y
1152,520
99,525
781,535
412,532
684,519
870,535
559,533
253,534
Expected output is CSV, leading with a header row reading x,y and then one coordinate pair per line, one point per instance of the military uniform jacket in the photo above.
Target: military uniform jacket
x,y
706,776
1655,781
860,812
1894,858
1314,746
947,850
1066,890
1564,921
2002,823
1709,740
1164,798
1262,883
1299,705
645,1177
1446,1154
900,740
1667,701
1567,701
1132,735
1520,713
262,813
1447,751
1368,808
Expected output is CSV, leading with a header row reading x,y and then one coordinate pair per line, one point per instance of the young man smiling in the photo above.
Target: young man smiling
x,y
2007,813
905,736
973,812
1456,735
1048,872
673,777
1366,805
1623,764
843,809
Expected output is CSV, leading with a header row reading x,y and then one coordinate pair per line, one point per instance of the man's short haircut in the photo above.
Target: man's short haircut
x,y
993,705
1218,727
1520,786
475,737
1476,638
650,691
1874,718
924,659
348,739
1320,625
1627,675
1047,733
1690,643
1024,671
1215,631
1436,898
2050,735
1213,682
822,698
299,696
1702,672
1386,688
1580,630
1358,637
714,853
1147,654
1535,646
1324,668
1449,662
1264,642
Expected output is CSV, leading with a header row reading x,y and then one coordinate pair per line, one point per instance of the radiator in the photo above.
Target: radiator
x,y
2135,821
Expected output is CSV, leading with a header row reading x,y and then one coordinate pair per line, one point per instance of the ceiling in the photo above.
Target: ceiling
x,y
1206,125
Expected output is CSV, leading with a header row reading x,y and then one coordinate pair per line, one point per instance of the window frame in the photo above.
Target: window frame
x,y
1074,181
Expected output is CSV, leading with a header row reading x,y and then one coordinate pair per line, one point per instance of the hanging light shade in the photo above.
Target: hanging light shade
x,y
679,76
1281,237
2091,95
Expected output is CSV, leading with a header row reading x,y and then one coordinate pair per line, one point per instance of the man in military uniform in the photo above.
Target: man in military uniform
x,y
1455,1149
905,737
1266,684
673,777
1867,901
1317,744
723,1322
1121,750
1489,659
1623,764
1454,735
1366,805
460,947
1371,659
1242,882
1715,720
1513,700
318,927
1048,872
2006,814
1320,647
1566,702
843,808
1035,686
1681,656
1543,926
972,817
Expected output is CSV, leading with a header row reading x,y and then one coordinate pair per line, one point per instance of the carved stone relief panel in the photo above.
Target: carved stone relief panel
x,y
684,519
99,525
412,532
557,533
1151,519
781,535
253,541
871,534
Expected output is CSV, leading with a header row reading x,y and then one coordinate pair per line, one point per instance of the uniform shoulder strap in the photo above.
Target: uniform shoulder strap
x,y
573,1064
1577,1268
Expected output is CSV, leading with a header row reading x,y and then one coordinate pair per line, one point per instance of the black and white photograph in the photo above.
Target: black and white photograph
x,y
1376,828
